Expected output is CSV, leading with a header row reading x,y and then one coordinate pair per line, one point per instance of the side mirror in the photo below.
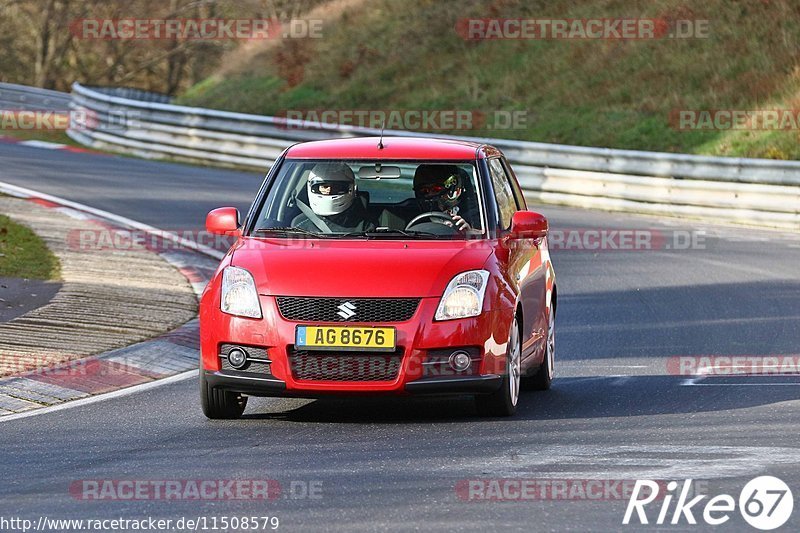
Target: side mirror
x,y
528,225
223,221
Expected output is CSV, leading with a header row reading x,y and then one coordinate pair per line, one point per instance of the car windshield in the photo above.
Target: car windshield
x,y
369,199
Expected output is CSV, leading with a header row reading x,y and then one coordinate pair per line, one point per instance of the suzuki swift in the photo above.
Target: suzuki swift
x,y
396,266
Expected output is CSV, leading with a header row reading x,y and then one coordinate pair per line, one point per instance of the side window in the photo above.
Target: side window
x,y
520,199
506,205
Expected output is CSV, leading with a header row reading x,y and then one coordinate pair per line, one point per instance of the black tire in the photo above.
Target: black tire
x,y
543,378
503,402
220,404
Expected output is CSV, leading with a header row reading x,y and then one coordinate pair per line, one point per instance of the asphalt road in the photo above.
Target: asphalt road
x,y
617,411
20,295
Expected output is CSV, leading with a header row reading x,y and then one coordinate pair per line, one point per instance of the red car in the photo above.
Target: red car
x,y
366,266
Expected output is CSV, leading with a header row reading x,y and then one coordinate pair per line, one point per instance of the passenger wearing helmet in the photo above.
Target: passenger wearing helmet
x,y
333,200
439,188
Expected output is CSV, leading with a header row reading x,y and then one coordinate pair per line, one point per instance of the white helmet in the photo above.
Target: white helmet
x,y
339,186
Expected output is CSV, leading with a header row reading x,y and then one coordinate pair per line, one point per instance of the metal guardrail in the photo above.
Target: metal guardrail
x,y
135,94
752,191
21,97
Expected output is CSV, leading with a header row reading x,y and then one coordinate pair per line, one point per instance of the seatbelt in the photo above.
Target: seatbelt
x,y
312,216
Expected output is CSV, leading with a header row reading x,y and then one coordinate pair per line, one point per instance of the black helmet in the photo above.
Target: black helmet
x,y
439,185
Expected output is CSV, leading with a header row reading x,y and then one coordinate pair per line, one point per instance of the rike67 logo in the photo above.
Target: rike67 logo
x,y
765,503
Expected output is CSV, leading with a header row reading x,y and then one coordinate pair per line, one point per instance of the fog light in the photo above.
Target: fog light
x,y
460,361
237,358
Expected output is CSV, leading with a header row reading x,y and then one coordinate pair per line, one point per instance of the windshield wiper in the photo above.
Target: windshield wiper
x,y
292,231
370,233
389,231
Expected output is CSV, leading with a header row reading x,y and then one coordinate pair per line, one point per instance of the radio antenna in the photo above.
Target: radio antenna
x,y
380,141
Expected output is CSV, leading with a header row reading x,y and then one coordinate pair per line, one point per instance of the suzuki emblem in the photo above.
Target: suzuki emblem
x,y
346,310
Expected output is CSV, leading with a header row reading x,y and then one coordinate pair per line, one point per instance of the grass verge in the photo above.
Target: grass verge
x,y
23,254
389,55
59,137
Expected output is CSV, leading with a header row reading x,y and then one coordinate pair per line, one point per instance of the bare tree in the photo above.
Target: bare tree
x,y
44,46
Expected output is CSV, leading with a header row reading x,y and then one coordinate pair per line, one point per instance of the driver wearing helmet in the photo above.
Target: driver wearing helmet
x,y
439,188
334,201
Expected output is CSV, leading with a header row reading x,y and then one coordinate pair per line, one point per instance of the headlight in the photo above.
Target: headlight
x,y
239,294
463,296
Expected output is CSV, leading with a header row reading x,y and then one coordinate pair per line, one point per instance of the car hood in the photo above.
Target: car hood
x,y
357,268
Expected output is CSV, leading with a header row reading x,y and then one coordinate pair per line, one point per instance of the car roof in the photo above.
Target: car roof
x,y
394,148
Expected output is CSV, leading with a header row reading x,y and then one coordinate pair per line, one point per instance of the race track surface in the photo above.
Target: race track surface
x,y
618,411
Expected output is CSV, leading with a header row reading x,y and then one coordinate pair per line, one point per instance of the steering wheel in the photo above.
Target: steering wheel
x,y
430,214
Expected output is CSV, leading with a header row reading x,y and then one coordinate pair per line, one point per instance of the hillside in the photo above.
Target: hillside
x,y
389,54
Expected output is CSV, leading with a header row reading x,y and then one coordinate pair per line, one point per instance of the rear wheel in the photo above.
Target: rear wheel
x,y
543,378
503,402
220,404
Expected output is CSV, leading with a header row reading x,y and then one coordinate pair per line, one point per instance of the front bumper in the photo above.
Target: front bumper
x,y
273,387
416,339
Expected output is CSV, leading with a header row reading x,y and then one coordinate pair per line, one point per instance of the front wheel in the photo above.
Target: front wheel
x,y
543,378
220,404
503,402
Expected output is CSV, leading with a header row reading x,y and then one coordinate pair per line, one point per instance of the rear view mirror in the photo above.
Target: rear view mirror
x,y
528,225
379,172
223,221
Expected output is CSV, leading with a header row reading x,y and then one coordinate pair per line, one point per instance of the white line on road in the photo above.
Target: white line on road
x,y
101,397
741,384
695,382
22,192
639,461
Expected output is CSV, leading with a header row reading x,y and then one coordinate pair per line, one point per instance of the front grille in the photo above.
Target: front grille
x,y
339,366
253,367
359,310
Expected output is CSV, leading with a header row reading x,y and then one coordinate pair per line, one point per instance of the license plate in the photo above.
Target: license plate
x,y
345,338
